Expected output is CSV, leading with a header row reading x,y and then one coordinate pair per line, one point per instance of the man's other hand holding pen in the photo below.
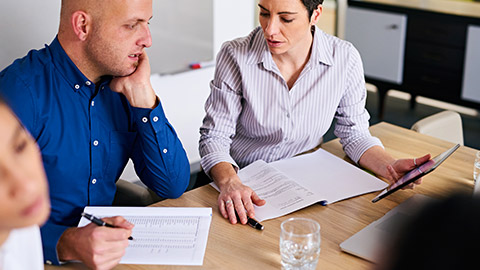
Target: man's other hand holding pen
x,y
96,246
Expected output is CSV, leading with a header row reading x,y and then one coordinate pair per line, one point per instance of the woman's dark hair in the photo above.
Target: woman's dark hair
x,y
311,5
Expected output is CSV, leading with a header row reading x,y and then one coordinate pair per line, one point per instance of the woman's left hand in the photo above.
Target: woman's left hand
x,y
400,167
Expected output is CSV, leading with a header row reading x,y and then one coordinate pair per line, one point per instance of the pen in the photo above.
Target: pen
x,y
100,222
252,222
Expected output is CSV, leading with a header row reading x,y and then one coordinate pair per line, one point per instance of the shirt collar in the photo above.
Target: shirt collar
x,y
68,69
322,50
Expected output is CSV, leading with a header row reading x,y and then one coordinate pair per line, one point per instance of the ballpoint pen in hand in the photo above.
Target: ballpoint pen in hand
x,y
100,222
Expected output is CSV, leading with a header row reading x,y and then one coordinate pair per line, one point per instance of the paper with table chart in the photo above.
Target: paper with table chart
x,y
162,235
292,184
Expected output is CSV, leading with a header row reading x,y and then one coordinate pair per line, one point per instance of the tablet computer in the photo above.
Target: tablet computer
x,y
416,173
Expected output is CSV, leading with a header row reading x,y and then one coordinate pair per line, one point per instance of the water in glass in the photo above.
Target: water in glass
x,y
476,167
299,256
299,244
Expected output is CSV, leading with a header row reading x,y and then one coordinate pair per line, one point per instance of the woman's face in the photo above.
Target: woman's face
x,y
286,25
24,197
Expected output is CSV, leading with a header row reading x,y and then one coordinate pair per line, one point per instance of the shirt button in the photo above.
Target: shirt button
x,y
88,83
144,119
95,143
155,119
48,262
165,150
93,103
288,115
77,86
94,181
103,87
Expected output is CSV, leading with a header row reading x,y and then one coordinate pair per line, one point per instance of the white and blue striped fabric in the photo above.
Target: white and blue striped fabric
x,y
252,114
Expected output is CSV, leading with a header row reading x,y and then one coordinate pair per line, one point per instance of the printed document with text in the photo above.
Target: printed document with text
x,y
162,235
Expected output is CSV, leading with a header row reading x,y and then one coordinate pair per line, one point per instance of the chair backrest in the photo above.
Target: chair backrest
x,y
445,125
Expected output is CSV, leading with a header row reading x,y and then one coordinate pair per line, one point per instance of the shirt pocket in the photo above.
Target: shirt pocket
x,y
119,151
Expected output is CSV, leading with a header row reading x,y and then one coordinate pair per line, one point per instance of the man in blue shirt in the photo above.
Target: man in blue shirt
x,y
87,100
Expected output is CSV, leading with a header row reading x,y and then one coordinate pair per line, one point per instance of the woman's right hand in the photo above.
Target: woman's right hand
x,y
237,197
234,196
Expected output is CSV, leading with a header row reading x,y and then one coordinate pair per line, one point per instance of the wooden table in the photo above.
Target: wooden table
x,y
241,247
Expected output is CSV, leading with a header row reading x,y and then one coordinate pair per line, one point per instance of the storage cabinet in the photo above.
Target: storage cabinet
x,y
471,78
440,52
380,38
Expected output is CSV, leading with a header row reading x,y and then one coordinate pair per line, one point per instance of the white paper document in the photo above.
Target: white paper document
x,y
292,184
162,235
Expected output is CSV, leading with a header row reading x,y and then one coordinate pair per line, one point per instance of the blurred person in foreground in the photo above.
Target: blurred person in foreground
x,y
24,203
443,234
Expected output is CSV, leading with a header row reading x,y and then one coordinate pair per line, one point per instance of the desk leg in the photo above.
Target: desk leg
x,y
413,101
382,94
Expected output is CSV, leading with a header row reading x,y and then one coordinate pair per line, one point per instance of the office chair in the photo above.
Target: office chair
x,y
445,125
131,194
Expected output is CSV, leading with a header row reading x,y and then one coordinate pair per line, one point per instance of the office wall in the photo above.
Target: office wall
x,y
181,31
26,25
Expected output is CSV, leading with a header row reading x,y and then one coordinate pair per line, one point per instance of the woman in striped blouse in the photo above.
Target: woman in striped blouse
x,y
275,94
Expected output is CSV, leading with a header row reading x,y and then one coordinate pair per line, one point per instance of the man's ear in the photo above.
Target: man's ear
x,y
316,15
81,24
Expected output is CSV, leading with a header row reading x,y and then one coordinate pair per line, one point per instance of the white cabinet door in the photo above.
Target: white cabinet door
x,y
380,38
471,78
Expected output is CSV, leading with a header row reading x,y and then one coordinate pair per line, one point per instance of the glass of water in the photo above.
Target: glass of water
x,y
476,167
299,244
476,174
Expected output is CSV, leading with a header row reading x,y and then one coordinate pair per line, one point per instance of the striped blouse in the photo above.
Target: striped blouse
x,y
251,114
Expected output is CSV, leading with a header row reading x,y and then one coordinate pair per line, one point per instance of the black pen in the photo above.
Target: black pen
x,y
252,222
100,222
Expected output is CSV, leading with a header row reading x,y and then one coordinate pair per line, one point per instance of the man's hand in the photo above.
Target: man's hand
x,y
98,247
136,87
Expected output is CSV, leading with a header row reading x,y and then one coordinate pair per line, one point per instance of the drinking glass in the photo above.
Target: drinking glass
x,y
299,243
476,174
476,167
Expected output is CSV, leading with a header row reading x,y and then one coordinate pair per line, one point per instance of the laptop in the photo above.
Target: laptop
x,y
368,242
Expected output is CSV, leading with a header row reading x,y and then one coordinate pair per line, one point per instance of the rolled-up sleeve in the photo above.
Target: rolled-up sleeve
x,y
352,116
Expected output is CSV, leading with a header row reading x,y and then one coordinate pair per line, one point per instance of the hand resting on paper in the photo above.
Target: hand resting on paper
x,y
98,247
234,196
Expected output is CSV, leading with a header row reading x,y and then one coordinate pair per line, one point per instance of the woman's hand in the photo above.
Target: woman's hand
x,y
235,197
400,167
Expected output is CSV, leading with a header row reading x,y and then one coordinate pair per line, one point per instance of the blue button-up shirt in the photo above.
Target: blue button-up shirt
x,y
86,134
